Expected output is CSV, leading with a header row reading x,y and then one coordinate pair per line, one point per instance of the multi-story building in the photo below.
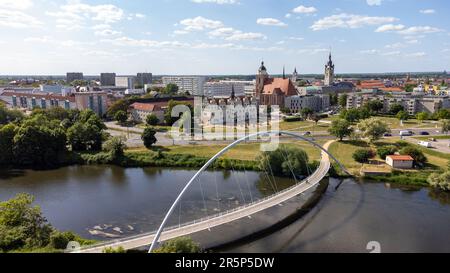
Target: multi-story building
x,y
412,104
125,81
223,90
73,76
96,101
144,78
191,84
317,103
329,72
30,101
107,79
228,111
249,86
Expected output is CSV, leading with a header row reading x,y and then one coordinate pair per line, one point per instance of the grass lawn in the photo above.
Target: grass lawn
x,y
394,123
435,137
248,151
303,126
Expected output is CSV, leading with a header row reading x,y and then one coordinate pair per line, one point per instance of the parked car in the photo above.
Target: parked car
x,y
424,133
387,135
425,144
307,133
406,133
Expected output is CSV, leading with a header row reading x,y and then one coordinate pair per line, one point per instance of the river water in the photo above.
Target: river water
x,y
105,202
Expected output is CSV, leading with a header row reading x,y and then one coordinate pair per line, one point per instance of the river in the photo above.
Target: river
x,y
105,202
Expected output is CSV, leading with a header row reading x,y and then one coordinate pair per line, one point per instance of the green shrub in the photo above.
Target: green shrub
x,y
363,155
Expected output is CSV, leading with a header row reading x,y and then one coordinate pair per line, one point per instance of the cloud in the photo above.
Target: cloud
x,y
396,45
231,34
18,19
200,23
391,53
304,10
220,2
419,30
374,2
75,14
296,38
16,4
270,22
427,11
370,51
107,32
344,20
389,27
417,54
140,15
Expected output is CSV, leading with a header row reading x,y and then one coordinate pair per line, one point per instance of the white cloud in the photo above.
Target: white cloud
x,y
200,23
396,45
419,30
427,11
313,51
270,22
370,51
417,54
140,15
288,15
107,32
303,9
389,27
18,19
296,38
16,4
231,34
374,2
344,20
220,2
391,53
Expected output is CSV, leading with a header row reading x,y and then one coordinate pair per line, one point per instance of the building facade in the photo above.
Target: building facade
x,y
108,79
93,100
317,103
73,76
329,72
144,78
191,84
223,90
125,81
29,101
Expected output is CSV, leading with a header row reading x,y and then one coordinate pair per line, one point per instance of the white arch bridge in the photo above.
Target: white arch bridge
x,y
163,234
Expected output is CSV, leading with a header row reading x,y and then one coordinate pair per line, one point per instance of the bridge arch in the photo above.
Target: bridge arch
x,y
219,154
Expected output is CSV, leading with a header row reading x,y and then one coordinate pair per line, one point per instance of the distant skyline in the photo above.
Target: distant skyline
x,y
222,37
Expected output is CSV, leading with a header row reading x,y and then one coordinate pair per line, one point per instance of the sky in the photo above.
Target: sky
x,y
217,37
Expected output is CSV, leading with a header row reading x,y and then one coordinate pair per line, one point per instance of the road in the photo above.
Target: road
x,y
222,218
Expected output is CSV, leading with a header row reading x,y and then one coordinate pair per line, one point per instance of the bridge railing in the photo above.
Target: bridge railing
x,y
210,217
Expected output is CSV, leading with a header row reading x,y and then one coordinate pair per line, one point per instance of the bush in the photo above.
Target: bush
x,y
384,151
179,245
115,147
152,120
440,181
60,240
148,136
415,153
110,250
363,155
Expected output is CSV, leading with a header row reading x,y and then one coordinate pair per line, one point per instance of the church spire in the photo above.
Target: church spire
x,y
284,72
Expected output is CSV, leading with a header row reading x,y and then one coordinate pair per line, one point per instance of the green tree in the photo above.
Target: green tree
x,y
443,114
149,138
152,120
171,89
440,181
115,146
384,151
7,134
179,245
306,112
395,108
110,250
121,117
351,115
343,100
375,106
120,105
340,128
373,128
422,116
362,155
402,115
445,126
85,137
285,160
415,153
168,114
22,225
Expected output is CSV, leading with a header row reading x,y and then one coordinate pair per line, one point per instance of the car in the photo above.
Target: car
x,y
424,133
387,135
406,133
307,133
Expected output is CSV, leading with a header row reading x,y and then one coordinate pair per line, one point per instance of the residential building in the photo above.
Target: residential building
x,y
144,78
317,103
400,161
30,101
96,101
108,79
226,111
51,88
190,84
72,76
224,90
125,81
249,86
140,111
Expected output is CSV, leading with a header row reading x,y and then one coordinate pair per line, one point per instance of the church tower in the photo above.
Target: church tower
x,y
329,72
294,76
261,79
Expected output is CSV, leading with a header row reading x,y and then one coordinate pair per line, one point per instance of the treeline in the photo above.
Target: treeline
x,y
46,138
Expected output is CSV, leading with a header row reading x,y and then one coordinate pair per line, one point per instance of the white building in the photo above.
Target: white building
x,y
134,91
317,103
400,161
224,90
124,81
51,88
249,86
191,84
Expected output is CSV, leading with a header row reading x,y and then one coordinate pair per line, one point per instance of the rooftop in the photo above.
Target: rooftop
x,y
401,157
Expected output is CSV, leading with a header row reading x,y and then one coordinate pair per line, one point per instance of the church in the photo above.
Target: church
x,y
273,91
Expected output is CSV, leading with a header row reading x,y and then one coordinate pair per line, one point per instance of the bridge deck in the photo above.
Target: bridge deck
x,y
222,218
